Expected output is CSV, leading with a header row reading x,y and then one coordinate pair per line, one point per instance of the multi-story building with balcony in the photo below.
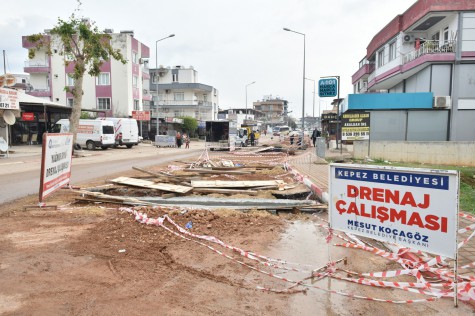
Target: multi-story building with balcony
x,y
418,76
117,91
181,94
275,110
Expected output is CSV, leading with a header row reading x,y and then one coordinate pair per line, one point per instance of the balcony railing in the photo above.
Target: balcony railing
x,y
184,103
36,63
39,92
430,47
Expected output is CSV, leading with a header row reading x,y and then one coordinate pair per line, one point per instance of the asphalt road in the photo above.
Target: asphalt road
x,y
22,183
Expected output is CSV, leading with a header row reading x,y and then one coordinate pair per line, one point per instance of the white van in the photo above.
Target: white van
x,y
126,130
91,133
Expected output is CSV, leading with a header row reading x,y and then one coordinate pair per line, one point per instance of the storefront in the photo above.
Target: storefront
x,y
37,116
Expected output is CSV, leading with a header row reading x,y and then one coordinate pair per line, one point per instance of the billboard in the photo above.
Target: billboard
x,y
355,126
415,208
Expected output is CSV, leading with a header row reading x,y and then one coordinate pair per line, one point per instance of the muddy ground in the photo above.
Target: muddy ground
x,y
94,259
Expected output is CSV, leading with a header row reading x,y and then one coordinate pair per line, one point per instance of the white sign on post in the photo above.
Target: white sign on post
x,y
415,208
55,162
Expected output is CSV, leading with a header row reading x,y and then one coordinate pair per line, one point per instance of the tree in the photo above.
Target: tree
x,y
79,42
190,124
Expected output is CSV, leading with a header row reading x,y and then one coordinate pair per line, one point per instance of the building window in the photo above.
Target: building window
x,y
179,96
381,58
176,113
446,35
103,103
136,105
103,79
175,77
69,80
205,97
135,81
436,36
70,102
135,58
392,51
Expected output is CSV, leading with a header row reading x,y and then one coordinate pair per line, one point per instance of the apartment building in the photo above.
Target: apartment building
x,y
117,91
418,76
275,110
178,93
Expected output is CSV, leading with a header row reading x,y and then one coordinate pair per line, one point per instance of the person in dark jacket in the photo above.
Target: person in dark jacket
x,y
252,137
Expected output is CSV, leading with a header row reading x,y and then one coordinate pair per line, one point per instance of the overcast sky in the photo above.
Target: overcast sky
x,y
231,43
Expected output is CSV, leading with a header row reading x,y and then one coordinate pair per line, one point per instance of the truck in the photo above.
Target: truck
x,y
126,131
90,133
221,135
242,138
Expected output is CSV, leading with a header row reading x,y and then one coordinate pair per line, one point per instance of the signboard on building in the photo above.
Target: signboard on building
x,y
415,208
355,126
141,115
327,87
27,116
329,117
55,162
174,120
9,99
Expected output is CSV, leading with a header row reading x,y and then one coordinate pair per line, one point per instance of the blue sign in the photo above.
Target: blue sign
x,y
328,87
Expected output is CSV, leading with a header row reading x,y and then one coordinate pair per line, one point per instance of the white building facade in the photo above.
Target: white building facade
x,y
181,94
117,91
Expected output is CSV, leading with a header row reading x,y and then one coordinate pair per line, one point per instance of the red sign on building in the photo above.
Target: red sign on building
x,y
27,116
141,115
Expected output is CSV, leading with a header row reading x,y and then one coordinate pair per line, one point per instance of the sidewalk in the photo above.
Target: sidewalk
x,y
317,170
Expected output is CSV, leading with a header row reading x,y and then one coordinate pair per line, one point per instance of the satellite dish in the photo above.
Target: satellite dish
x,y
10,80
9,117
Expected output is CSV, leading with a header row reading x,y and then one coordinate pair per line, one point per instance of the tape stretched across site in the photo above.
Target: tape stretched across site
x,y
466,284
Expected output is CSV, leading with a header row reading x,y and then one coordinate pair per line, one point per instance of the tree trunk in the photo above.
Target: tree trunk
x,y
77,104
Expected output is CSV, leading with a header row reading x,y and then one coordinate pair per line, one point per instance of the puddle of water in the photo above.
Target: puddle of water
x,y
304,243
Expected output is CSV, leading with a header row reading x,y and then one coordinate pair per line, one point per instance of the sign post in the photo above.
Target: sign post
x,y
329,87
55,163
415,208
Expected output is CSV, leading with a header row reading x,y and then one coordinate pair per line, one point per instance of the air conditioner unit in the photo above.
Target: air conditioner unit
x,y
141,60
441,102
409,38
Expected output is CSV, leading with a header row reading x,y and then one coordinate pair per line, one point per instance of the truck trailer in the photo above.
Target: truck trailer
x,y
221,135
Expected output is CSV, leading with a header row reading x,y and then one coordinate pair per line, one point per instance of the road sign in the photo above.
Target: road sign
x,y
327,87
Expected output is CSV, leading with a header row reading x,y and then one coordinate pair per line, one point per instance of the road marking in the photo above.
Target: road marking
x,y
11,163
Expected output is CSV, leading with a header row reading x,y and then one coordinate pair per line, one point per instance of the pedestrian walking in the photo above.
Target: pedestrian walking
x,y
314,136
187,142
178,139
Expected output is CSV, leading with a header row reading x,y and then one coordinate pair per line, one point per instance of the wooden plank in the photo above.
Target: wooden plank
x,y
263,149
234,184
225,191
211,171
147,172
151,185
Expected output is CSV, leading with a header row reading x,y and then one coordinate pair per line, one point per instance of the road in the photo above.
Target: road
x,y
20,176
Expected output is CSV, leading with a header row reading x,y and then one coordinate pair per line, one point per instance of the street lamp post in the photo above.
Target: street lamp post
x,y
313,96
156,76
246,95
303,85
